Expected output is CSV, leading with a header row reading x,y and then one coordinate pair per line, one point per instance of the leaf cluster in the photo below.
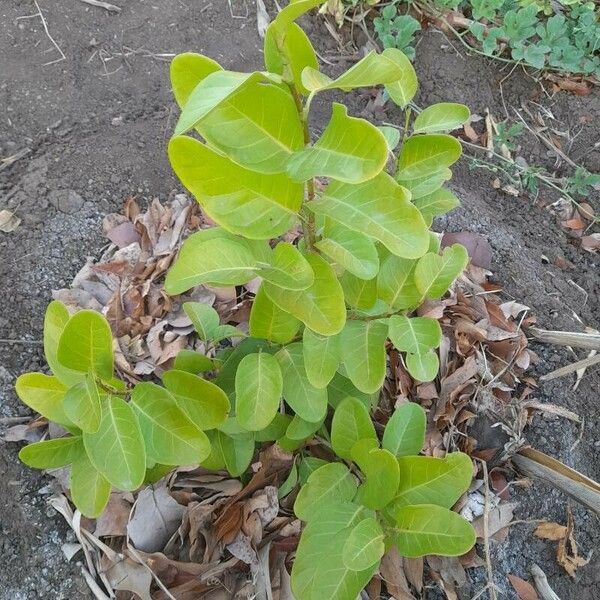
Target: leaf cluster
x,y
395,30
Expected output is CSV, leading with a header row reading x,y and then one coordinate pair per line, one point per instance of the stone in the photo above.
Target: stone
x,y
67,201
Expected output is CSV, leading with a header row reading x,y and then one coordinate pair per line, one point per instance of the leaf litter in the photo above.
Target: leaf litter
x,y
199,533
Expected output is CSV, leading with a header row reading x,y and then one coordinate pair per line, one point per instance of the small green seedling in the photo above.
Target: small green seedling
x,y
329,302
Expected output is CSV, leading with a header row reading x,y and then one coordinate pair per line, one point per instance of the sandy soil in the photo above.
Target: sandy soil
x,y
94,127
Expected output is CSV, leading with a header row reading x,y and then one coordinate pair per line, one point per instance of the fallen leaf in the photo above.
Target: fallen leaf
x,y
129,576
113,521
551,531
524,589
392,572
591,243
479,249
8,221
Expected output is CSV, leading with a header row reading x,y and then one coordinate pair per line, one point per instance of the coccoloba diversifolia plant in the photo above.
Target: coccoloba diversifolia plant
x,y
361,260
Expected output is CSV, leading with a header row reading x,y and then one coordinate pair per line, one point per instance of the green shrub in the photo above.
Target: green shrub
x,y
314,361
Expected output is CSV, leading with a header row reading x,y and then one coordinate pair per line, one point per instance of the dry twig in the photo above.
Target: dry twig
x,y
107,6
576,366
542,585
566,338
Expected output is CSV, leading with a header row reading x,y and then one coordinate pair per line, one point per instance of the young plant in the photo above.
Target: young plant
x,y
358,258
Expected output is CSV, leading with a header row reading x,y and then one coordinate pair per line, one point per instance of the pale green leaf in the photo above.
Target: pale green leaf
x,y
55,320
415,334
359,293
427,155
117,448
319,571
204,318
258,127
320,306
193,362
396,284
299,429
322,355
258,390
351,423
364,546
437,203
373,69
287,52
391,135
423,186
82,404
52,454
429,480
434,274
423,366
289,484
44,394
86,344
90,491
308,465
429,529
288,269
237,451
381,471
170,437
331,484
307,401
204,403
351,250
404,88
269,321
255,205
341,387
294,9
404,434
379,208
441,117
225,332
187,71
350,150
275,429
363,353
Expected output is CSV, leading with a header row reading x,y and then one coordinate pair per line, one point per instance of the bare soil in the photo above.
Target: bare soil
x,y
95,127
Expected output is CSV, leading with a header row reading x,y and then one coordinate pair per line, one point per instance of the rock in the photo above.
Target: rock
x,y
67,201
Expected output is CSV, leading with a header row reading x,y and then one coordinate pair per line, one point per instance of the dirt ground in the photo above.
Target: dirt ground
x,y
93,130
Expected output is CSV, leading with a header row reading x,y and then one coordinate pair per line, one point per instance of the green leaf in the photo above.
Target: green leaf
x,y
416,334
237,451
86,344
434,274
320,306
363,353
308,465
170,437
205,404
424,366
429,529
204,318
428,480
364,546
192,362
404,88
295,9
268,321
351,423
44,394
226,261
427,155
341,387
381,472
258,127
319,570
379,208
351,250
329,485
441,117
255,205
322,355
404,433
275,429
82,404
373,69
423,186
289,484
187,71
287,52
55,321
225,332
307,401
392,136
300,430
350,150
359,293
258,390
288,269
90,491
396,284
52,454
117,448
437,203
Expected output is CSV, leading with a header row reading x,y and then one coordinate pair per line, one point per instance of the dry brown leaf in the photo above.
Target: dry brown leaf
x,y
551,531
393,574
8,221
524,589
129,576
113,521
479,249
498,518
591,243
